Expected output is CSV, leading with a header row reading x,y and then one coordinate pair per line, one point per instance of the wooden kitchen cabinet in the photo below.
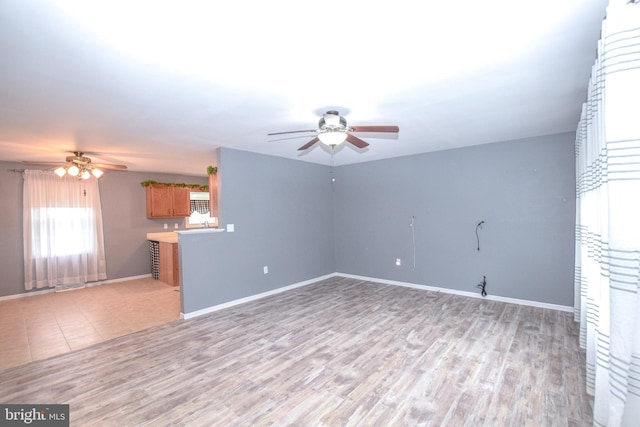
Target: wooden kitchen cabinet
x,y
169,263
165,201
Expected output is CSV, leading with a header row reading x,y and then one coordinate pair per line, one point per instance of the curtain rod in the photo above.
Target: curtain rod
x,y
16,170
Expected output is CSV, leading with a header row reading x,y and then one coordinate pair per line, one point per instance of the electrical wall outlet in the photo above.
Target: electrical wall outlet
x,y
166,226
265,269
398,262
175,226
230,228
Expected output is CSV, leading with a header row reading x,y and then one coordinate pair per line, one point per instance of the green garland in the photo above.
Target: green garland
x,y
174,184
210,171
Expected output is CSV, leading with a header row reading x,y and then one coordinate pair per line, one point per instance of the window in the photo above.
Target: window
x,y
62,229
72,231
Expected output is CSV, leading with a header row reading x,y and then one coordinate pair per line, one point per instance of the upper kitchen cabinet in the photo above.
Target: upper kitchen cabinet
x,y
213,195
165,201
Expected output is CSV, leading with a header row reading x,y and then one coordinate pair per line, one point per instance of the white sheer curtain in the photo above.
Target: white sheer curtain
x,y
607,279
62,230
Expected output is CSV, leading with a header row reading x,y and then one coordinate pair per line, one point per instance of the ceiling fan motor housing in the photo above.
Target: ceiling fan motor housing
x,y
79,158
332,121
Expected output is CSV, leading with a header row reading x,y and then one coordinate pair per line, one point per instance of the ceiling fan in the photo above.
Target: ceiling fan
x,y
79,166
333,130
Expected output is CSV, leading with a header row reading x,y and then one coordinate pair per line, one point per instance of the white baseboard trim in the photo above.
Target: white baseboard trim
x,y
28,294
211,309
207,310
463,293
52,290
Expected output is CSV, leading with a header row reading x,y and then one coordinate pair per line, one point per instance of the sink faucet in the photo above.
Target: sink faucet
x,y
205,224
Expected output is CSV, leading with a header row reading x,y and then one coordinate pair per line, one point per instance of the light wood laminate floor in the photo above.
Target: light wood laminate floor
x,y
42,326
340,352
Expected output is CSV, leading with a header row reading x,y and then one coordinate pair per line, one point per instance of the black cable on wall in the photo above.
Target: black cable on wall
x,y
482,285
477,236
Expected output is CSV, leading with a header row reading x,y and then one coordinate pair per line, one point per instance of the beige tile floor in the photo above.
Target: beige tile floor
x,y
46,325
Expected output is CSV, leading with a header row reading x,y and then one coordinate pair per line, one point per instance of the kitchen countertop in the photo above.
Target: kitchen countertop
x,y
172,236
200,230
166,237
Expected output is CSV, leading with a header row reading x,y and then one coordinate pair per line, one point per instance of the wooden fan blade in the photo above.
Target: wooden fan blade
x,y
292,131
108,166
356,141
97,165
28,162
309,144
392,129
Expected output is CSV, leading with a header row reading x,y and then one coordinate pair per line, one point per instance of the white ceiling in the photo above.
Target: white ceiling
x,y
158,85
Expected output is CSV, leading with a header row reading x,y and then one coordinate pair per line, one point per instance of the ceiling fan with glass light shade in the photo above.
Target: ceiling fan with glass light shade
x,y
79,166
333,130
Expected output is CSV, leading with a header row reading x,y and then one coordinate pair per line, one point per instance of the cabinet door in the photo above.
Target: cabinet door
x,y
213,195
169,269
181,202
159,201
176,266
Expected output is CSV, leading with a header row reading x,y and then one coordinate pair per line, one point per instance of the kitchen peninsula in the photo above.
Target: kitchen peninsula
x,y
165,256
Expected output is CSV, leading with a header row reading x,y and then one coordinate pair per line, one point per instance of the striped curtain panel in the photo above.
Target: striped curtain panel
x,y
607,278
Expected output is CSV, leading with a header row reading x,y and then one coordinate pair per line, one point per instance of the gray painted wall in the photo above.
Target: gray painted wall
x,y
288,217
124,217
11,250
282,211
524,191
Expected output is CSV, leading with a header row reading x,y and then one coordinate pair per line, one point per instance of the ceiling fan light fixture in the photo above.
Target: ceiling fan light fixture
x,y
332,138
77,166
